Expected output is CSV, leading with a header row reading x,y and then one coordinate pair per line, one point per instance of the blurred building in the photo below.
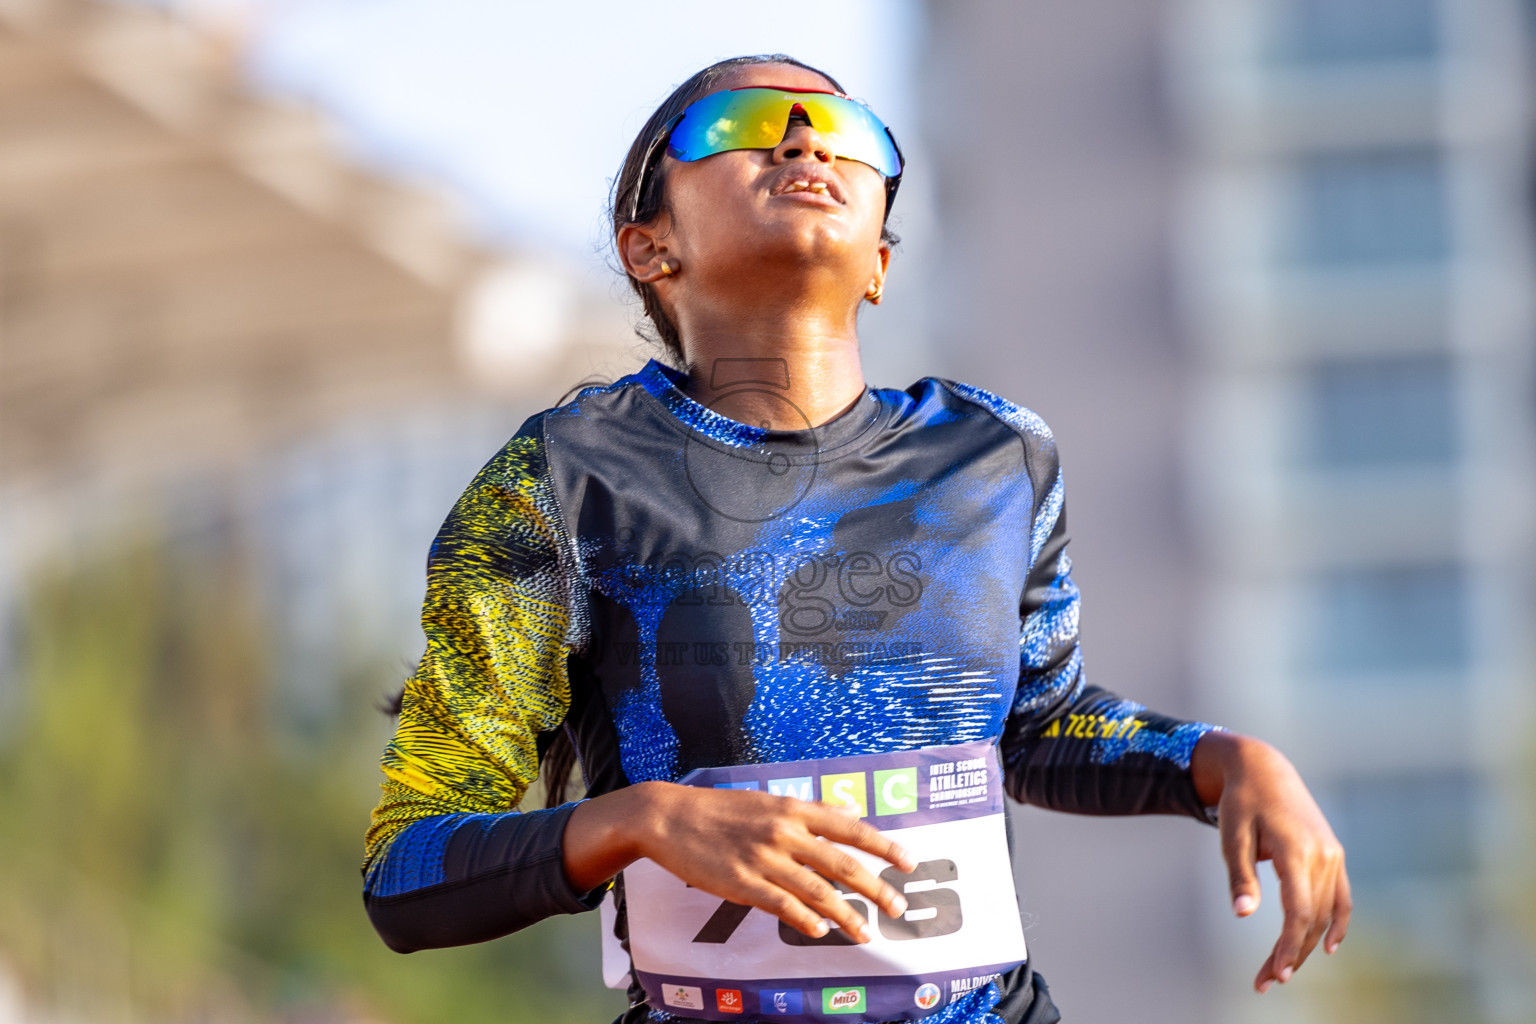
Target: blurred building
x,y
1357,247
1264,265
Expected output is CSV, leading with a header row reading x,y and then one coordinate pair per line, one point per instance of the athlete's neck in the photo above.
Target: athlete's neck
x,y
768,376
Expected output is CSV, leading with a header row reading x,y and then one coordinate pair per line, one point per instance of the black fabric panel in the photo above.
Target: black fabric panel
x,y
1059,773
591,730
497,881
1026,998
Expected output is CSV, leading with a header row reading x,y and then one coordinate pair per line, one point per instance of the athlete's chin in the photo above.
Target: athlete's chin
x,y
810,237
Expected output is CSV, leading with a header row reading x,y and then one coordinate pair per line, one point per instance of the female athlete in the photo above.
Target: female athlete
x,y
802,633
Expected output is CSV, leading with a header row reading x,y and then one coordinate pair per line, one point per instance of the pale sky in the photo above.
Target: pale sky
x,y
521,112
524,110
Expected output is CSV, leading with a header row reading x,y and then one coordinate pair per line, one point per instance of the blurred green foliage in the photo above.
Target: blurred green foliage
x,y
176,848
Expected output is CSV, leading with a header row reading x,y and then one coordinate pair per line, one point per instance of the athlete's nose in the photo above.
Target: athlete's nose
x,y
801,140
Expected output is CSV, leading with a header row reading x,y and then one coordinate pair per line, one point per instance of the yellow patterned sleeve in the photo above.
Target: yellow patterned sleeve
x,y
493,676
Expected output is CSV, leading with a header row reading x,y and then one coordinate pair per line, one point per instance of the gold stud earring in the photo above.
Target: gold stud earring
x,y
666,268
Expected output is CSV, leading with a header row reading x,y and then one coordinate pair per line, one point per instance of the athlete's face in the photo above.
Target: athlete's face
x,y
737,216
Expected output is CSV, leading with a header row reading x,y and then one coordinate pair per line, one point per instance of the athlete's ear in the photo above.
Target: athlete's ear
x,y
876,288
642,249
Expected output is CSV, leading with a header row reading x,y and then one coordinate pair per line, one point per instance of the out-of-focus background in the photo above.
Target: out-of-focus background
x,y
276,276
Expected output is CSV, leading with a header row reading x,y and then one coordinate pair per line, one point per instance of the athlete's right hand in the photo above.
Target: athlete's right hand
x,y
771,852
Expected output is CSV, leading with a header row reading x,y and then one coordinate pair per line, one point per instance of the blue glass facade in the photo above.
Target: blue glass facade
x,y
1390,619
1371,207
1383,411
1338,31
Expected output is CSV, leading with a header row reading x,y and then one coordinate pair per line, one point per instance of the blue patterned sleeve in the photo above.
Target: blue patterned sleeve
x,y
1069,746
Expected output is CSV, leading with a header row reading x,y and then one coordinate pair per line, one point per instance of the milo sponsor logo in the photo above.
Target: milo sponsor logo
x,y
842,1000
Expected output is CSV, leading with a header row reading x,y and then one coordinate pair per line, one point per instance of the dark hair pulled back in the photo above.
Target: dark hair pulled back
x,y
653,200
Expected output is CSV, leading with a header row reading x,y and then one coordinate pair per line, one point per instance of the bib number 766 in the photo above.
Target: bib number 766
x,y
930,912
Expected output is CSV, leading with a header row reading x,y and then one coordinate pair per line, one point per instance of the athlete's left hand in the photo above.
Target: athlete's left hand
x,y
1266,813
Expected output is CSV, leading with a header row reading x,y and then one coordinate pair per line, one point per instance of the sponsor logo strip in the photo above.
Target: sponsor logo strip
x,y
684,997
799,788
780,1001
842,1000
904,997
896,790
846,789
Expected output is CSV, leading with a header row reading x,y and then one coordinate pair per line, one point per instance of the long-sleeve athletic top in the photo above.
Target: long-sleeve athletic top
x,y
677,590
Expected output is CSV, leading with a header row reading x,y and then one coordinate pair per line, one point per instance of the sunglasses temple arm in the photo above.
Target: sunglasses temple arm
x,y
645,166
892,184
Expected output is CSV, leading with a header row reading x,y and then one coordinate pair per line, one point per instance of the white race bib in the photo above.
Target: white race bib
x,y
698,956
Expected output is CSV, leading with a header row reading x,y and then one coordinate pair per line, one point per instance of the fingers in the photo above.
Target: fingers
x,y
1266,976
1238,848
847,828
832,867
808,882
823,900
1315,893
787,857
1314,934
1343,906
1296,897
785,905
1282,961
835,864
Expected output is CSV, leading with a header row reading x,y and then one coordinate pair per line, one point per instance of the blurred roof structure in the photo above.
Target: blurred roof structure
x,y
189,273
